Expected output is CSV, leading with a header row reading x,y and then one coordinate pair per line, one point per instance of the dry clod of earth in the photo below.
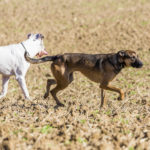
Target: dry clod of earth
x,y
84,26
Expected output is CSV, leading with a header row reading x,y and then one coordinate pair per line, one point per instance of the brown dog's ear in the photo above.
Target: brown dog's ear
x,y
121,53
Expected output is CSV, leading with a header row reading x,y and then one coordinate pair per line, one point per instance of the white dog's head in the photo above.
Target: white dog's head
x,y
37,43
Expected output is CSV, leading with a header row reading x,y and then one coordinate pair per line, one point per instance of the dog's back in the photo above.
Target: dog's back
x,y
84,60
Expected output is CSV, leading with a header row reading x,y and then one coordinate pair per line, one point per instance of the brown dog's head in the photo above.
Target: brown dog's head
x,y
129,58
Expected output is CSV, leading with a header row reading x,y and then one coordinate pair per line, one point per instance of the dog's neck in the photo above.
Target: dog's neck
x,y
30,47
114,61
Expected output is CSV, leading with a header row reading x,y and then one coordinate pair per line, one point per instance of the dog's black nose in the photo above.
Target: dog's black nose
x,y
140,64
137,64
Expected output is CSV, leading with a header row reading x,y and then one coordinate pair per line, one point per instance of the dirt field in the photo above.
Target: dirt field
x,y
89,26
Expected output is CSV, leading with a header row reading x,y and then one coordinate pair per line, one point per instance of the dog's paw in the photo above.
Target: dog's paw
x,y
103,107
120,98
46,95
28,99
59,105
1,96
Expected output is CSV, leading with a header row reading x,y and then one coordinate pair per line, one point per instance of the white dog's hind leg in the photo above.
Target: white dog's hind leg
x,y
22,83
5,80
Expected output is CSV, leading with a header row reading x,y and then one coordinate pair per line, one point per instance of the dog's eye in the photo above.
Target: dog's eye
x,y
133,58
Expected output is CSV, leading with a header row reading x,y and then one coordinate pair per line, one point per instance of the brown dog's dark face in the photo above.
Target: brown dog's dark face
x,y
129,58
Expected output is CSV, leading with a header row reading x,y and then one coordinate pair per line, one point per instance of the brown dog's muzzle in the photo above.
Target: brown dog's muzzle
x,y
137,64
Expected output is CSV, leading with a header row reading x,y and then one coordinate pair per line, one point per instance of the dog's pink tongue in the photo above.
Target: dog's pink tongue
x,y
42,53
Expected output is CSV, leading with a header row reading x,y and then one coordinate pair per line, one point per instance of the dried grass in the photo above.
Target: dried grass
x,y
78,26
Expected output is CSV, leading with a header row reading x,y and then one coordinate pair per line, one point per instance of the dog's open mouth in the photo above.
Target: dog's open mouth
x,y
41,53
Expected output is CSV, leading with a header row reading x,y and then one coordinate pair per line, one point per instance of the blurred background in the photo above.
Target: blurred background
x,y
90,26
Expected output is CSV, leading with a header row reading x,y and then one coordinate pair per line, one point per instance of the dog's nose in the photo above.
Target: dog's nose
x,y
140,64
137,64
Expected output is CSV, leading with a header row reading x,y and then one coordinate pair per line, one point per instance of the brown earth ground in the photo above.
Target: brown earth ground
x,y
89,26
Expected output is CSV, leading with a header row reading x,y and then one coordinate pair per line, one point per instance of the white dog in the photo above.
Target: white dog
x,y
12,61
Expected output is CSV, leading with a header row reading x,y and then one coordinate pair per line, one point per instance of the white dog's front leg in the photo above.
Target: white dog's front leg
x,y
5,80
22,83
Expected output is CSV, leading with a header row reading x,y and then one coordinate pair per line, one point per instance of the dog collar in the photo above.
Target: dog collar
x,y
24,47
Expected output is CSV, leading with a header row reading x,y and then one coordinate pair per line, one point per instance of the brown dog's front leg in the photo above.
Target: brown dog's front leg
x,y
112,88
103,100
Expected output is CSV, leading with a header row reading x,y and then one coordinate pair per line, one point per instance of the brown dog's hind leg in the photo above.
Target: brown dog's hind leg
x,y
60,86
49,83
112,88
63,79
54,92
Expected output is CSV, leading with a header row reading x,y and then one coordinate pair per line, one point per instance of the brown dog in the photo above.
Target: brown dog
x,y
100,68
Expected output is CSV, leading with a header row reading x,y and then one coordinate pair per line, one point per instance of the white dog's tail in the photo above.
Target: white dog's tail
x,y
41,60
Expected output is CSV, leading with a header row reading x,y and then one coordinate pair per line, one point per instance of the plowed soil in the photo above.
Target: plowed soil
x,y
87,26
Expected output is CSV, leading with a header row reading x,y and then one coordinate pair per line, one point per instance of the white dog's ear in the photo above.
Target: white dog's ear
x,y
39,36
29,35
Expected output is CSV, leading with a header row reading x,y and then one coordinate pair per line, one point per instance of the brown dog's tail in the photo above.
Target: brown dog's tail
x,y
41,60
